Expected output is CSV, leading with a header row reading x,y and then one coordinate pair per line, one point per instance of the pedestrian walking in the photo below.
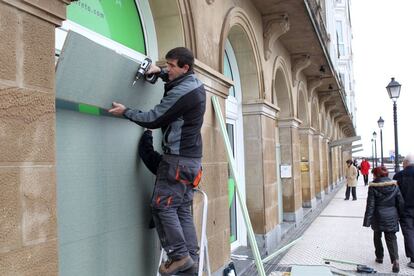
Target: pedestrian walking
x,y
351,180
385,204
405,179
355,163
365,166
180,117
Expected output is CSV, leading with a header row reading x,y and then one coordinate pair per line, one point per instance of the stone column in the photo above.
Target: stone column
x,y
347,154
290,147
215,168
334,166
307,172
28,227
260,166
318,165
338,165
326,164
341,163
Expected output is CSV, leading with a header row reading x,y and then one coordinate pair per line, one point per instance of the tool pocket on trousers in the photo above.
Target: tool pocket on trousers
x,y
187,174
163,200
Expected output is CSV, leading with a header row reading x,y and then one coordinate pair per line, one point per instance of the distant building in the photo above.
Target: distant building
x,y
339,26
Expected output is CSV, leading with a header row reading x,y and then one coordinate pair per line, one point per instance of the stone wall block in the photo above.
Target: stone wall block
x,y
39,49
222,221
288,195
8,26
38,205
211,216
269,172
258,221
268,128
269,150
270,195
211,176
222,187
207,136
253,151
219,244
56,7
10,210
272,217
209,115
213,145
39,260
27,126
218,216
255,198
254,172
252,127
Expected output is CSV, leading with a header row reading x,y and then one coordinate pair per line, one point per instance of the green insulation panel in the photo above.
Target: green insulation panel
x,y
103,189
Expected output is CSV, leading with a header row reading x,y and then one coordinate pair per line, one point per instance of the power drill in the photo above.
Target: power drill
x,y
143,68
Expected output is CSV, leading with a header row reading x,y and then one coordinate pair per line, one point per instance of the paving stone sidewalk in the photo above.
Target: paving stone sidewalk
x,y
337,233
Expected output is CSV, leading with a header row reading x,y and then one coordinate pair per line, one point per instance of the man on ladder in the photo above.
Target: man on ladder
x,y
180,116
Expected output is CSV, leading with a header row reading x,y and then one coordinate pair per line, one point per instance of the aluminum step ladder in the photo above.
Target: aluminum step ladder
x,y
203,241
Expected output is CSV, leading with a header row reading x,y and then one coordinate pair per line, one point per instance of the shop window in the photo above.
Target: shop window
x,y
228,73
340,39
117,20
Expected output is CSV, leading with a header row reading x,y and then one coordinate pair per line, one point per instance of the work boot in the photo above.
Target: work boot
x,y
379,260
171,267
193,270
396,266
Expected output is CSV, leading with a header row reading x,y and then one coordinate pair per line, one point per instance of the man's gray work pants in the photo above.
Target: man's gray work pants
x,y
171,205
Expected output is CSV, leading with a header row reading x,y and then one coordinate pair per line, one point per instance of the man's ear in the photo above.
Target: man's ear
x,y
186,67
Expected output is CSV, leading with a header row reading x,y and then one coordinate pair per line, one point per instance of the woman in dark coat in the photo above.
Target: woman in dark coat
x,y
384,205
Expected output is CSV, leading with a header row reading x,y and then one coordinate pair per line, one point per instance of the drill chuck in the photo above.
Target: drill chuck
x,y
142,70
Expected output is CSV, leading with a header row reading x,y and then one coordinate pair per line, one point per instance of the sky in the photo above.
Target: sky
x,y
383,47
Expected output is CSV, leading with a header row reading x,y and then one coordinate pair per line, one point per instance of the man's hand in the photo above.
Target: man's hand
x,y
154,69
117,109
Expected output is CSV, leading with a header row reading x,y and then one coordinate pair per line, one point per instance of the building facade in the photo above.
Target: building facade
x,y
75,196
339,25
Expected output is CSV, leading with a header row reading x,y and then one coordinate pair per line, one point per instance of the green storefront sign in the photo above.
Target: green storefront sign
x,y
118,20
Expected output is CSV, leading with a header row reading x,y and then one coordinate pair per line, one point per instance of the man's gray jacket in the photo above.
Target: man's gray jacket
x,y
179,115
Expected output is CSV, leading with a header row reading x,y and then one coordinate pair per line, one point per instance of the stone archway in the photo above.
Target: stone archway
x,y
318,165
289,142
324,150
258,125
306,149
238,29
282,95
168,25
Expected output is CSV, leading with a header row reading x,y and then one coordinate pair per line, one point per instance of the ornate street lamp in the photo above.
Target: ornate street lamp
x,y
372,146
393,89
374,136
381,125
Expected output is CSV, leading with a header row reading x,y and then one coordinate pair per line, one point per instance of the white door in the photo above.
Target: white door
x,y
234,123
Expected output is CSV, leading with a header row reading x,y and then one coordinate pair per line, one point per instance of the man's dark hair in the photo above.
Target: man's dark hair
x,y
183,56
